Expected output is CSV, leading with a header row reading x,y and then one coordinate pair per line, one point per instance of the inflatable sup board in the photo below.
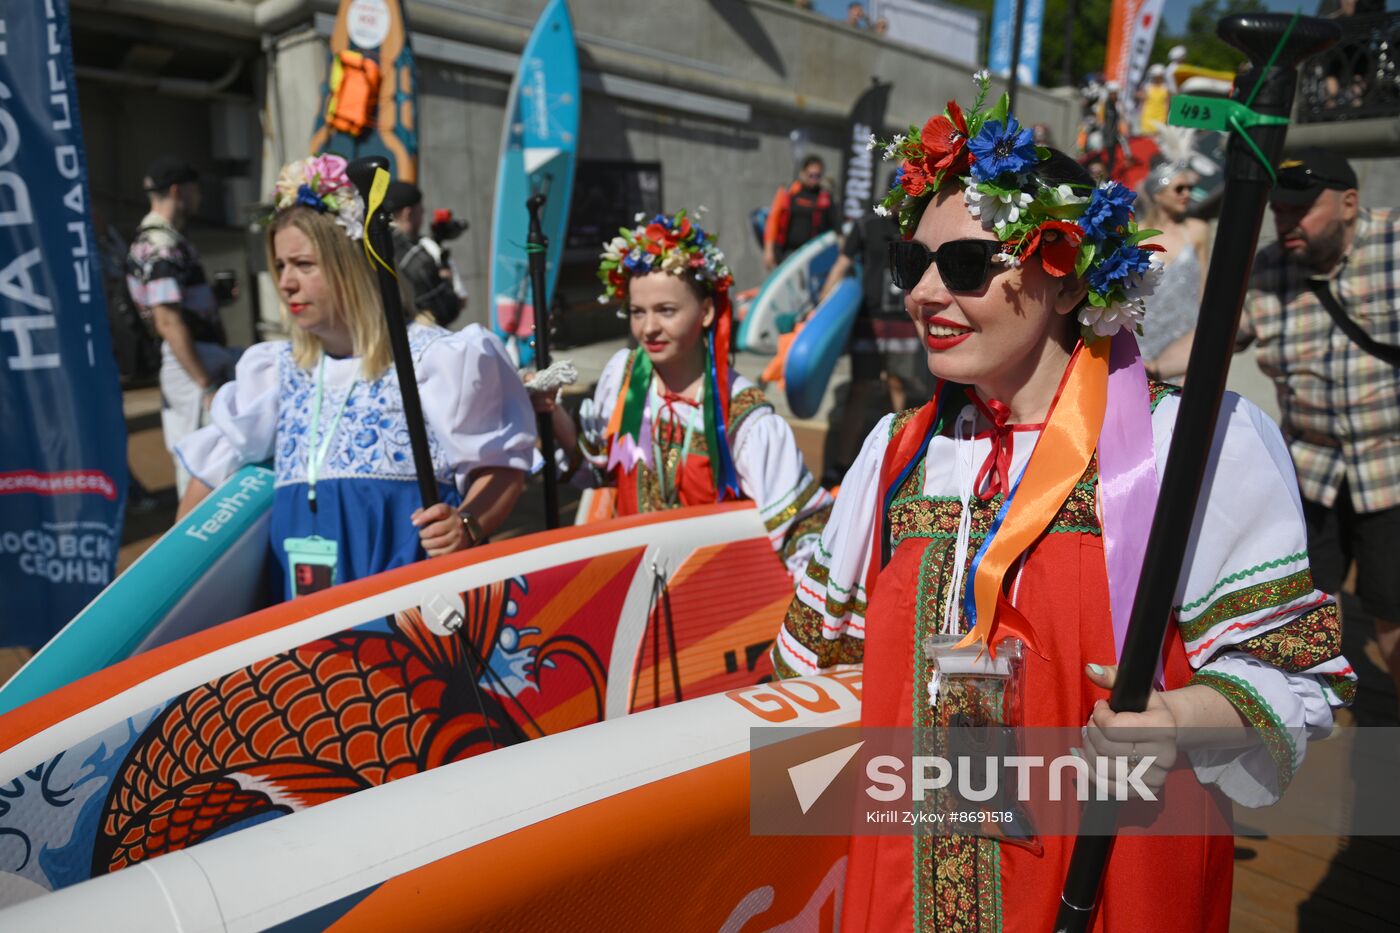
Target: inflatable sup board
x,y
790,290
378,31
640,823
538,147
374,680
818,346
205,570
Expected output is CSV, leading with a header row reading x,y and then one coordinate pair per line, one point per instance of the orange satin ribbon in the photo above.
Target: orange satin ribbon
x,y
1059,460
615,422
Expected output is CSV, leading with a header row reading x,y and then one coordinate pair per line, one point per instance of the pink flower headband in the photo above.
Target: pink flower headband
x,y
320,183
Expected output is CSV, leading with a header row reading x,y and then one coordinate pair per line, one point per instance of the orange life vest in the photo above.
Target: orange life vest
x,y
354,93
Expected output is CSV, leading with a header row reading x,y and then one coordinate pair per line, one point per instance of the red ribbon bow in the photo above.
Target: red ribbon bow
x,y
996,470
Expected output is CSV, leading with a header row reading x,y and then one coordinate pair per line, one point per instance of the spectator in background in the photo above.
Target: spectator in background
x,y
428,283
1165,201
167,282
1156,100
444,229
885,346
1323,306
801,212
881,27
855,16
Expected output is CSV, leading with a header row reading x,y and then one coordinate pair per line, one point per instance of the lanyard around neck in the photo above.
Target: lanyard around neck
x,y
685,446
316,456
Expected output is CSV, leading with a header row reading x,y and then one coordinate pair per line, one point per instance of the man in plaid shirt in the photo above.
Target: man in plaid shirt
x,y
1340,400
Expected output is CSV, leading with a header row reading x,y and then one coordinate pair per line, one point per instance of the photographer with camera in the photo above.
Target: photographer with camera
x,y
429,279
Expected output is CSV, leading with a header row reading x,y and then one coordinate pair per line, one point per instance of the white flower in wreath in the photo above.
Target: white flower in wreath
x,y
1143,287
1105,322
615,249
881,210
995,209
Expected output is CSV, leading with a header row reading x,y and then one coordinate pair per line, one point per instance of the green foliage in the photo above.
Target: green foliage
x,y
1207,49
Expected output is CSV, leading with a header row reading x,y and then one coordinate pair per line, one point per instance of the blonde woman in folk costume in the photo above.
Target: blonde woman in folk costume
x,y
1026,282
326,408
671,424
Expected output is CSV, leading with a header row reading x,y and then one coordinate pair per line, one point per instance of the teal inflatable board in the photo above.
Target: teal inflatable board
x,y
539,143
205,570
787,294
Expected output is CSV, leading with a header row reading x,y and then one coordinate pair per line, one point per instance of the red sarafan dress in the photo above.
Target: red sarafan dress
x,y
1246,602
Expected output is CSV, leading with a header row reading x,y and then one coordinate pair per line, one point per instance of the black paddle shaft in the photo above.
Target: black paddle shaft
x,y
1248,181
537,245
377,232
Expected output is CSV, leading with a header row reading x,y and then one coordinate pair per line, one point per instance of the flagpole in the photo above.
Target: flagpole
x,y
1283,43
1018,12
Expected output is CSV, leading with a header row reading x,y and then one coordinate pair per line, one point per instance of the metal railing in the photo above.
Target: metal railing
x,y
1359,77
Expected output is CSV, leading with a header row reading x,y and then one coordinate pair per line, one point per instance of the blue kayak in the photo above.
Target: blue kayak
x,y
818,346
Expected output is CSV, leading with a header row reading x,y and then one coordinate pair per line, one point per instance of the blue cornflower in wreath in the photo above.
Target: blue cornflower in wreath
x,y
1002,150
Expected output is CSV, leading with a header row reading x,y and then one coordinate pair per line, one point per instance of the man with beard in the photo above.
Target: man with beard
x,y
1323,308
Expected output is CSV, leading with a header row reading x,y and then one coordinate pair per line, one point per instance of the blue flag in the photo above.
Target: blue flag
x,y
62,433
1002,31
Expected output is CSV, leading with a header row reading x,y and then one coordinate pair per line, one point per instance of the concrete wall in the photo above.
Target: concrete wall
x,y
757,69
788,69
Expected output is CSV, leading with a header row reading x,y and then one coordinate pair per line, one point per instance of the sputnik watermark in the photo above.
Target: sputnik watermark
x,y
1113,778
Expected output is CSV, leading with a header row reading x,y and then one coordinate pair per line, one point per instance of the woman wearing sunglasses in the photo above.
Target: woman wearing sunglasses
x,y
1165,196
994,528
671,424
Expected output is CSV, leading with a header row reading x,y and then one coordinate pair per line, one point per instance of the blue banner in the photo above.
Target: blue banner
x,y
62,433
1002,32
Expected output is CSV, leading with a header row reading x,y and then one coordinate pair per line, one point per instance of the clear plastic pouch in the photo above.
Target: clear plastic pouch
x,y
976,699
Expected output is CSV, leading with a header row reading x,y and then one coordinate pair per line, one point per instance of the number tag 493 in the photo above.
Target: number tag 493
x,y
1215,113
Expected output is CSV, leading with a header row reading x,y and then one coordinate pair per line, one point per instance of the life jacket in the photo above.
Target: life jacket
x,y
354,92
788,202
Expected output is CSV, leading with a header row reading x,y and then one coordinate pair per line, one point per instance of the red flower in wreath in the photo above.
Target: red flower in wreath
x,y
659,239
945,141
1058,242
914,179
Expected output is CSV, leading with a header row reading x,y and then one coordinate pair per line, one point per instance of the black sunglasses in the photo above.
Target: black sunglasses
x,y
964,265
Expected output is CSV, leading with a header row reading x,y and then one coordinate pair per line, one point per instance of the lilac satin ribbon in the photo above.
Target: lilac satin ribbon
x,y
626,452
1127,480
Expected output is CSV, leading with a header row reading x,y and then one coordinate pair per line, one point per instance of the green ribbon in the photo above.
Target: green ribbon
x,y
634,406
711,406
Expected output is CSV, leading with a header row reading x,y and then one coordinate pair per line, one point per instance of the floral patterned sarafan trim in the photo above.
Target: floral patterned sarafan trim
x,y
804,624
1257,711
1256,598
1302,644
1075,230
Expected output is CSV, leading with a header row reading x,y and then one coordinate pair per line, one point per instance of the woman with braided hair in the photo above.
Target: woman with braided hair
x,y
671,424
1006,521
326,408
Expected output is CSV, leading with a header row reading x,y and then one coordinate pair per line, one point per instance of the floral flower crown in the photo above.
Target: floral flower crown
x,y
1090,234
668,243
320,183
